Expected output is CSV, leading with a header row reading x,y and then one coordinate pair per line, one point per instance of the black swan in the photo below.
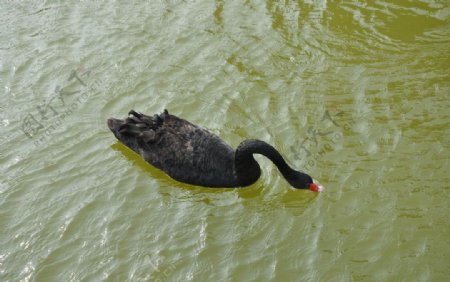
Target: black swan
x,y
192,155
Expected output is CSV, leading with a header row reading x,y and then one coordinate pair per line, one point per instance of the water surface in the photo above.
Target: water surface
x,y
355,94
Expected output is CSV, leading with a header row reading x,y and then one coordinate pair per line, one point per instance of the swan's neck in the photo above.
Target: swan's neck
x,y
248,170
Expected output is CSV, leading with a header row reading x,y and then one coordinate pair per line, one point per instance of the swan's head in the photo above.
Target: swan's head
x,y
121,131
302,180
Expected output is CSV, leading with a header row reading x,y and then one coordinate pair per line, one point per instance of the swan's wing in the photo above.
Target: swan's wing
x,y
186,152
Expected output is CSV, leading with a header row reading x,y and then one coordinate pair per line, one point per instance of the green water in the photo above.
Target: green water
x,y
355,94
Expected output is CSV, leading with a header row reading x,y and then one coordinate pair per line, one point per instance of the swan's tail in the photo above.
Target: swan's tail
x,y
141,119
142,126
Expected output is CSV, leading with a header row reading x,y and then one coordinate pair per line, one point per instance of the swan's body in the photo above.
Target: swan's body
x,y
193,155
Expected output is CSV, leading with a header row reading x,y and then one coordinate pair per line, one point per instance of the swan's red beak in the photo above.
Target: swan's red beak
x,y
316,187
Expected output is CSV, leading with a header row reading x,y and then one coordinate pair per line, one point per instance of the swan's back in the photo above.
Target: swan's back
x,y
184,151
